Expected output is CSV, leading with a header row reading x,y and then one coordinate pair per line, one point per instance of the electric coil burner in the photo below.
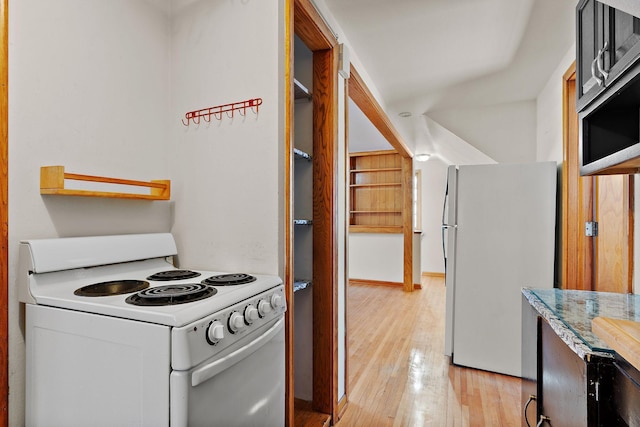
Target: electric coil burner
x,y
229,279
171,294
164,276
116,287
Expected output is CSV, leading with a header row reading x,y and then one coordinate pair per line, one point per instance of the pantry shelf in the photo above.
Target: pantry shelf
x,y
302,222
52,182
299,154
299,285
301,93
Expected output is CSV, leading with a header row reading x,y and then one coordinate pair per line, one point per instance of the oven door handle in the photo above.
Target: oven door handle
x,y
210,370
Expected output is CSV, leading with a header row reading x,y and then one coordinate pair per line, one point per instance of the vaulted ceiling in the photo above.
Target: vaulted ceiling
x,y
425,55
430,55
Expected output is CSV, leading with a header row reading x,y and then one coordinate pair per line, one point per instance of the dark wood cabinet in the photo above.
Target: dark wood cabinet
x,y
607,89
574,392
607,44
626,393
623,47
530,346
559,386
589,41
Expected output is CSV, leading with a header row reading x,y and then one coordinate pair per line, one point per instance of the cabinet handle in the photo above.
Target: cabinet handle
x,y
526,418
593,71
601,52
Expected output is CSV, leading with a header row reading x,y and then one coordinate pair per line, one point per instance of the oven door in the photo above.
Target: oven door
x,y
242,386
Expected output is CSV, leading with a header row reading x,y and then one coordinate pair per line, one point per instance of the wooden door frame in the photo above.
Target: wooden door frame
x,y
303,20
4,218
364,99
571,205
579,207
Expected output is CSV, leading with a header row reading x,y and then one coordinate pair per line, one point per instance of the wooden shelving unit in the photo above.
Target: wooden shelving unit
x,y
52,182
376,192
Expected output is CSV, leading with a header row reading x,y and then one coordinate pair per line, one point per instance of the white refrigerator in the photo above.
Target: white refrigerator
x,y
498,237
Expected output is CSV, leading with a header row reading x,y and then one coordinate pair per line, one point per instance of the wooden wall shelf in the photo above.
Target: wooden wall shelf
x,y
389,229
52,182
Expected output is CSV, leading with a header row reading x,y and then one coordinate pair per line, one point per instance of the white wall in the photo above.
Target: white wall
x,y
549,113
504,132
434,183
227,193
376,256
100,88
94,100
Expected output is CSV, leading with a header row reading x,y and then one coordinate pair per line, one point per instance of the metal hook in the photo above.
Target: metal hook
x,y
255,104
243,110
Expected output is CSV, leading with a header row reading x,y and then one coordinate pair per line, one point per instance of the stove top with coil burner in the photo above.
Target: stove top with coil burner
x,y
229,279
171,294
112,267
168,275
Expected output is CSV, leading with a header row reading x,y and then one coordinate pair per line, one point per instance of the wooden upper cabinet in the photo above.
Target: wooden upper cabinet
x,y
376,192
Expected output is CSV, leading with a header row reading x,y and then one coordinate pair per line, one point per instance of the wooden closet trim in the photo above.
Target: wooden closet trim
x,y
364,99
289,402
325,232
311,28
4,219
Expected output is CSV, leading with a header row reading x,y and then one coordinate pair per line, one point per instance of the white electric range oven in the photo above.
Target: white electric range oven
x,y
116,335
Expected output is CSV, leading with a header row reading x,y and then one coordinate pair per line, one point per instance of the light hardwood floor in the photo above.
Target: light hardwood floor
x,y
398,374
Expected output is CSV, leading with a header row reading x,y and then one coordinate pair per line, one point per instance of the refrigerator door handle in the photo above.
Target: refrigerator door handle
x,y
449,226
444,223
446,199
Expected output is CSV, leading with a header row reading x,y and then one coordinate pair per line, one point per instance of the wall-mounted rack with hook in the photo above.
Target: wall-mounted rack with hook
x,y
219,110
52,181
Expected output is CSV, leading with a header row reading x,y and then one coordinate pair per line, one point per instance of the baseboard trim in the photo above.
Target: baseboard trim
x,y
342,406
369,282
433,274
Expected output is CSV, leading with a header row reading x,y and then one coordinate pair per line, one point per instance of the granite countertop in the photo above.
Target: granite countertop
x,y
570,312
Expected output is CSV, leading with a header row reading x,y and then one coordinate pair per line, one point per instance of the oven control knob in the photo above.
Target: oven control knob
x,y
276,301
264,308
236,321
215,332
250,314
